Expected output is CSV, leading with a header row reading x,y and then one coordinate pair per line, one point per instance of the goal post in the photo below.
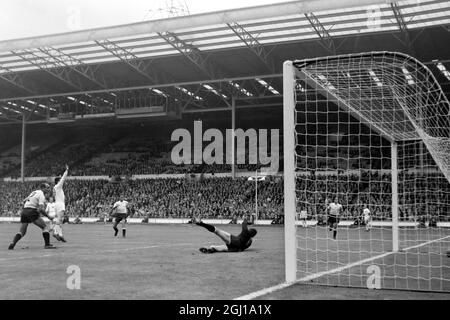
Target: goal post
x,y
394,188
371,130
289,143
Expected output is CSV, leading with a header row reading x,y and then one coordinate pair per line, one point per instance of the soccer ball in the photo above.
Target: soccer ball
x,y
51,215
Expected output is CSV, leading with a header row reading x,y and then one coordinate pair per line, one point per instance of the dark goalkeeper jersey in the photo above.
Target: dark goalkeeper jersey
x,y
242,241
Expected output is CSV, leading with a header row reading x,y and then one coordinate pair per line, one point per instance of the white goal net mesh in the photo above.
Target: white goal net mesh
x,y
363,122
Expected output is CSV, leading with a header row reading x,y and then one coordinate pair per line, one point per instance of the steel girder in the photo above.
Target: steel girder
x,y
191,52
14,78
403,27
62,66
326,40
253,44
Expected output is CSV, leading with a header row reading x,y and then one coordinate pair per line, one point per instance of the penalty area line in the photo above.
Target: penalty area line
x,y
280,286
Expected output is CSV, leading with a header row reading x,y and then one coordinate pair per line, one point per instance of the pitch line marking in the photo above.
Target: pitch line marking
x,y
280,286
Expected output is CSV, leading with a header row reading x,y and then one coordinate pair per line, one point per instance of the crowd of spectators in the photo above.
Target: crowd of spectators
x,y
418,195
229,198
126,157
158,198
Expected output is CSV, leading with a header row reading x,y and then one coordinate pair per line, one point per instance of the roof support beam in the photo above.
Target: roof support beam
x,y
403,27
211,70
156,86
253,44
15,79
140,66
77,65
143,68
52,67
10,113
62,66
193,54
326,40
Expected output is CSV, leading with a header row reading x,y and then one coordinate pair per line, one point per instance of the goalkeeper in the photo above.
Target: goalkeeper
x,y
233,243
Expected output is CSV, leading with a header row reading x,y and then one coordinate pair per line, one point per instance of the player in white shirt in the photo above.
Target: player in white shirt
x,y
367,218
60,205
33,208
334,211
120,212
51,209
303,217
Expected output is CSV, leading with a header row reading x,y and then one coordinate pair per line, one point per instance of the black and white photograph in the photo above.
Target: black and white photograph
x,y
225,155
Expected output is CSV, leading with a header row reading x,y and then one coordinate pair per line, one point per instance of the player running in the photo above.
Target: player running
x,y
33,208
232,243
60,206
334,210
367,218
120,211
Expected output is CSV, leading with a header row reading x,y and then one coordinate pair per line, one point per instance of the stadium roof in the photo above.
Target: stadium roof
x,y
198,63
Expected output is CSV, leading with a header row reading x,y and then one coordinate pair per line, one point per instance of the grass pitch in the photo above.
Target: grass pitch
x,y
159,262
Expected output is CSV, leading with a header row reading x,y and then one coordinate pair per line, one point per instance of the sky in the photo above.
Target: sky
x,y
29,18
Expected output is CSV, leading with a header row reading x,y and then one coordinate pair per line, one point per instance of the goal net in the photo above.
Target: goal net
x,y
369,131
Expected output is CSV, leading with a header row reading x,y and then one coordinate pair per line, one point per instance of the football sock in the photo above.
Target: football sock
x,y
334,234
46,236
124,232
17,237
115,231
208,227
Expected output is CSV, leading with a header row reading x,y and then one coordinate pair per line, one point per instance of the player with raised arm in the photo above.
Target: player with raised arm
x,y
334,210
120,211
367,218
232,243
33,208
60,206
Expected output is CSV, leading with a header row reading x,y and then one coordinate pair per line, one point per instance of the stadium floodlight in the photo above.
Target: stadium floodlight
x,y
241,89
371,130
209,88
20,106
40,105
189,93
159,92
13,110
268,86
443,70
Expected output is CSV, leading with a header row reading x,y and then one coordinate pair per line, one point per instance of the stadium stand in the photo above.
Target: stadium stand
x,y
225,198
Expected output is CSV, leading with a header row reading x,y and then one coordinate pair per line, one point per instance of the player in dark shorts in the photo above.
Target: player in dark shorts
x,y
33,208
334,210
232,243
120,213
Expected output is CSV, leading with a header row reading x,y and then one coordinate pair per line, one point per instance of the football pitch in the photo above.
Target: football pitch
x,y
162,262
